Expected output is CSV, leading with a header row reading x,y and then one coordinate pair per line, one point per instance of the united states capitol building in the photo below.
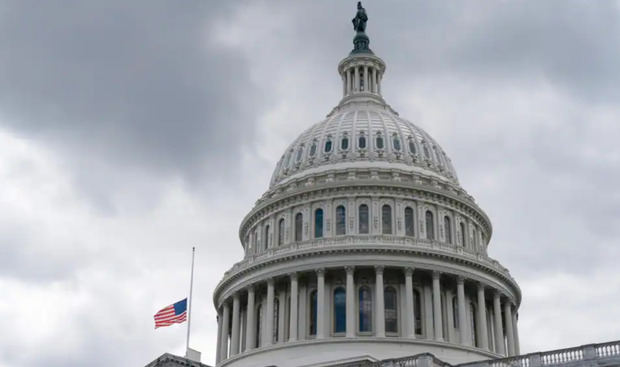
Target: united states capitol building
x,y
366,251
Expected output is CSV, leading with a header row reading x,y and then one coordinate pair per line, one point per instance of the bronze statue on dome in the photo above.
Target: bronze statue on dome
x,y
359,22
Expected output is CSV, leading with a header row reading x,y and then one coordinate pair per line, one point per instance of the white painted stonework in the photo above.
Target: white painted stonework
x,y
365,247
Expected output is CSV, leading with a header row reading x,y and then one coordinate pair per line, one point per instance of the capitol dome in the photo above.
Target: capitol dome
x,y
364,247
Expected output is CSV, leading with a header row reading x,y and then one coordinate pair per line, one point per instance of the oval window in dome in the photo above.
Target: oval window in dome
x,y
412,146
328,146
361,142
313,149
299,153
344,143
396,143
379,142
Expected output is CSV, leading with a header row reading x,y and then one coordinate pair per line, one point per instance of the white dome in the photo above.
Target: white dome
x,y
363,135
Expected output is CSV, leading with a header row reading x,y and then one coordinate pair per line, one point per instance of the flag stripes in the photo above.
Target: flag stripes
x,y
173,314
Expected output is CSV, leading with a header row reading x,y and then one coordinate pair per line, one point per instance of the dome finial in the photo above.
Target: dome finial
x,y
361,40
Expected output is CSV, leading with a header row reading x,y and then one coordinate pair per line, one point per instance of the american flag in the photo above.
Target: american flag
x,y
173,314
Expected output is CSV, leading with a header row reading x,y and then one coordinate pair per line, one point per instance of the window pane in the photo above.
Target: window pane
x,y
417,311
276,319
259,329
313,313
365,304
313,150
448,229
341,220
362,142
391,311
344,144
298,226
409,224
430,226
340,310
299,153
363,219
379,142
462,234
396,143
266,238
318,223
328,146
281,232
386,218
412,146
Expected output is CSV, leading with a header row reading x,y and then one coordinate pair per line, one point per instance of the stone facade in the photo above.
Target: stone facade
x,y
365,244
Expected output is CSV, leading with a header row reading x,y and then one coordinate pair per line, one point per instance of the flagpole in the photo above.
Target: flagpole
x,y
189,311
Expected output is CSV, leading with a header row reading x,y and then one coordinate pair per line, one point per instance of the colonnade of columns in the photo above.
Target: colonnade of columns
x,y
246,323
361,78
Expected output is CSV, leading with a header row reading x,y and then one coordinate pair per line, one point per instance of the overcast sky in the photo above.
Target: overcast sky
x,y
132,130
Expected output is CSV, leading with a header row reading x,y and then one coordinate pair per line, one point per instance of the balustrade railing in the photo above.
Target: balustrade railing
x,y
576,356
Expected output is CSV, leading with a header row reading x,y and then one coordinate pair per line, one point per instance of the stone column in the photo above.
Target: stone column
x,y
350,301
250,336
499,331
516,332
460,298
380,305
509,331
268,335
294,308
348,81
437,321
366,78
224,340
218,351
374,80
483,336
356,79
281,314
320,303
234,340
409,311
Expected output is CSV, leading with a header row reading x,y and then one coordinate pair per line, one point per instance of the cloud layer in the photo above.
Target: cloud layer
x,y
131,131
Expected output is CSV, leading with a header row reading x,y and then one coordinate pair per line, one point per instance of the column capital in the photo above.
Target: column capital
x,y
270,281
460,279
249,288
320,271
236,296
293,275
379,269
349,269
481,286
497,294
409,271
436,274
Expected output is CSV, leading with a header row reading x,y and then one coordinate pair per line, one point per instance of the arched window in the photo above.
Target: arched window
x,y
266,238
328,145
300,151
318,223
462,225
344,143
313,312
361,142
409,223
396,143
391,310
365,306
281,232
298,226
447,226
363,219
340,310
379,142
341,220
412,146
386,219
427,154
455,313
417,311
276,320
430,225
259,323
313,149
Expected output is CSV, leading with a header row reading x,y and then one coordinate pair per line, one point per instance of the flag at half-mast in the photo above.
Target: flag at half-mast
x,y
174,314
